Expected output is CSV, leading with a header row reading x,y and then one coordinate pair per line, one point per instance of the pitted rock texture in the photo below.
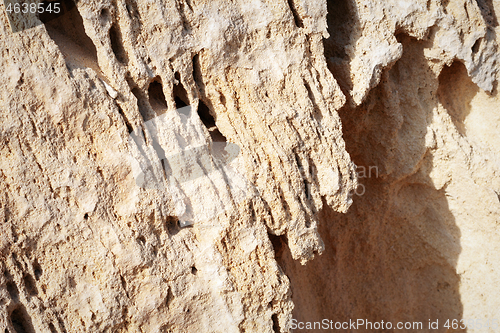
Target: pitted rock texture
x,y
117,215
168,166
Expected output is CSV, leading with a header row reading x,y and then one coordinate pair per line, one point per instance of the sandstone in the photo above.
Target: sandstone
x,y
215,166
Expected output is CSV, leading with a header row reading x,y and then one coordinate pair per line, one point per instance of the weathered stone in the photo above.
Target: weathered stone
x,y
166,166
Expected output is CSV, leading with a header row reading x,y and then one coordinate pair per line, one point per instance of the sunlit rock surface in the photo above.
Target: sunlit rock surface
x,y
171,166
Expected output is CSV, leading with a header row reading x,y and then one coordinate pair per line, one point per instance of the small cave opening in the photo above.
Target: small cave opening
x,y
476,46
157,98
172,225
67,31
53,10
180,94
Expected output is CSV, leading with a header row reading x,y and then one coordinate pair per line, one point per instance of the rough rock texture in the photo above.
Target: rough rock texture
x,y
117,214
422,238
167,166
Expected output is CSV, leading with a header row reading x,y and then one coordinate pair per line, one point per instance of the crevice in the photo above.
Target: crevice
x,y
302,171
61,325
67,31
343,27
188,2
279,244
124,285
130,129
169,298
317,112
197,76
186,25
115,37
296,17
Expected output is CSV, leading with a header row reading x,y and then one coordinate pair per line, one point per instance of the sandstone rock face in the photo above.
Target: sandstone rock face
x,y
170,166
421,240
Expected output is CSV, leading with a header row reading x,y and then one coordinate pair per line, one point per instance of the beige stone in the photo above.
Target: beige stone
x,y
170,166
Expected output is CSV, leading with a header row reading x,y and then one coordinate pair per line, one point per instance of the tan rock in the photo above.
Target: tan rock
x,y
169,166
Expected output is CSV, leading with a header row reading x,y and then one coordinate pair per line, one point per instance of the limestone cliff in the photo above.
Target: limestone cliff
x,y
170,166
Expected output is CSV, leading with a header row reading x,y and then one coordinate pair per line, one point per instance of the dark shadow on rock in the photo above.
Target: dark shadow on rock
x,y
393,256
67,30
455,92
344,30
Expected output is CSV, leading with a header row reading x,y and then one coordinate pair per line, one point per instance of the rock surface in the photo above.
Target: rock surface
x,y
170,166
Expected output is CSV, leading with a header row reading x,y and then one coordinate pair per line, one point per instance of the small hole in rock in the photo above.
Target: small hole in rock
x,y
30,285
209,121
156,96
276,326
194,270
21,321
475,47
52,328
116,39
141,239
86,216
13,291
37,269
180,94
172,225
104,13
